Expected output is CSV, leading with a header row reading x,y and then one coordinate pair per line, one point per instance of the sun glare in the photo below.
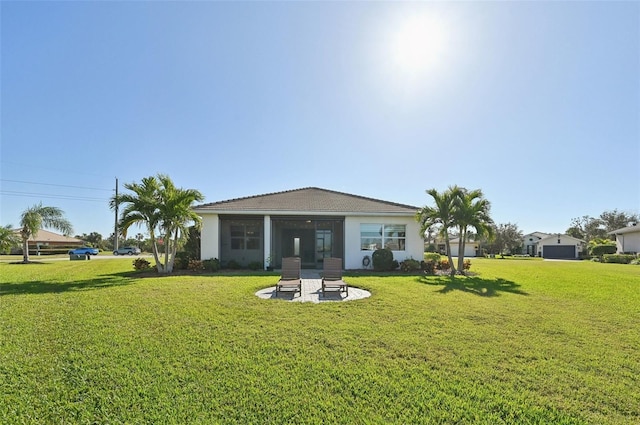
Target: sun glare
x,y
418,45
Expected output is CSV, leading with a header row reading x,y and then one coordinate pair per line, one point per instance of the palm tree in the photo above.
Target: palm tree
x,y
8,238
37,217
440,215
164,209
470,211
177,216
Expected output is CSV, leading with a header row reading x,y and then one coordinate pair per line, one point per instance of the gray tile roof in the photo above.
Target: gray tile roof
x,y
629,229
308,200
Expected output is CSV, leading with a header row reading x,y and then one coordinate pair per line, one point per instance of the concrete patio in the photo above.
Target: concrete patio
x,y
312,291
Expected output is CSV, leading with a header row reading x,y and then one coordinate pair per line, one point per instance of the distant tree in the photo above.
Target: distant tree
x,y
8,239
92,239
588,228
507,238
614,220
37,217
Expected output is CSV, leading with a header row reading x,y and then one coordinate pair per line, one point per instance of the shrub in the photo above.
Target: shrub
x,y
410,265
195,265
212,264
433,256
382,259
141,264
428,266
233,265
635,262
618,258
600,250
181,261
394,265
444,265
255,265
466,265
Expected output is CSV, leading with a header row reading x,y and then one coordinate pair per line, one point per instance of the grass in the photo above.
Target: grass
x,y
526,342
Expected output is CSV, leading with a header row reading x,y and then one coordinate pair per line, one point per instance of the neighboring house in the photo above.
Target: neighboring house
x,y
558,246
627,239
311,223
471,248
45,241
530,242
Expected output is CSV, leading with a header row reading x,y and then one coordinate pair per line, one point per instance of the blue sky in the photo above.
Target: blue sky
x,y
535,103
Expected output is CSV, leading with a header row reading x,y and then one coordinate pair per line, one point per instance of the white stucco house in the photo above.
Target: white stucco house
x,y
627,239
310,223
559,246
471,248
530,242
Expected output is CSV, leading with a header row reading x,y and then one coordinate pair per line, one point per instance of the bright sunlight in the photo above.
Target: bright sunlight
x,y
418,45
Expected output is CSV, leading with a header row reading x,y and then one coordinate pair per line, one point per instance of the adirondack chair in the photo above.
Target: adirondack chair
x,y
290,278
332,276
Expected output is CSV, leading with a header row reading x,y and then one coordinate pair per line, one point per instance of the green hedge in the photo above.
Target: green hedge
x,y
618,258
599,250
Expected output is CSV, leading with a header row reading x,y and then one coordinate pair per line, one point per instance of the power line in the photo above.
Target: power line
x,y
57,185
51,196
47,167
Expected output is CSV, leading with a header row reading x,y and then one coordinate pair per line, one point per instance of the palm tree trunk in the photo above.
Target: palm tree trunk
x,y
25,250
167,247
448,246
154,249
463,239
174,249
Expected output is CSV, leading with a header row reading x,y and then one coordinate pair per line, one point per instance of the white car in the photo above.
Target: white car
x,y
129,250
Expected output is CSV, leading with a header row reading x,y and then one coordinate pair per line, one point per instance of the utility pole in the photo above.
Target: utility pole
x,y
115,234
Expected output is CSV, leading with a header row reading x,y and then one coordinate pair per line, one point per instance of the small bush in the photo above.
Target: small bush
x,y
410,265
444,265
195,265
141,264
428,266
635,262
618,258
211,265
382,260
255,265
433,256
181,261
466,265
233,265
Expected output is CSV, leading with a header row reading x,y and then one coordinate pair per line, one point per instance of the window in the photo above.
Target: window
x,y
376,236
245,236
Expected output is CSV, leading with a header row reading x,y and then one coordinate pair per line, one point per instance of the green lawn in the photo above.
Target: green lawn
x,y
521,342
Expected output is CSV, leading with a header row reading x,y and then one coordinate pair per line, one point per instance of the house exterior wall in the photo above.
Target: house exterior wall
x,y
469,249
210,239
559,240
628,242
414,244
353,255
530,244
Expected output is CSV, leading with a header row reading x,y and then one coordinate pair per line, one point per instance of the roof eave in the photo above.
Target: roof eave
x,y
304,213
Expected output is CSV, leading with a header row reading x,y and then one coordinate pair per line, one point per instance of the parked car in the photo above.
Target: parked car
x,y
129,250
85,250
